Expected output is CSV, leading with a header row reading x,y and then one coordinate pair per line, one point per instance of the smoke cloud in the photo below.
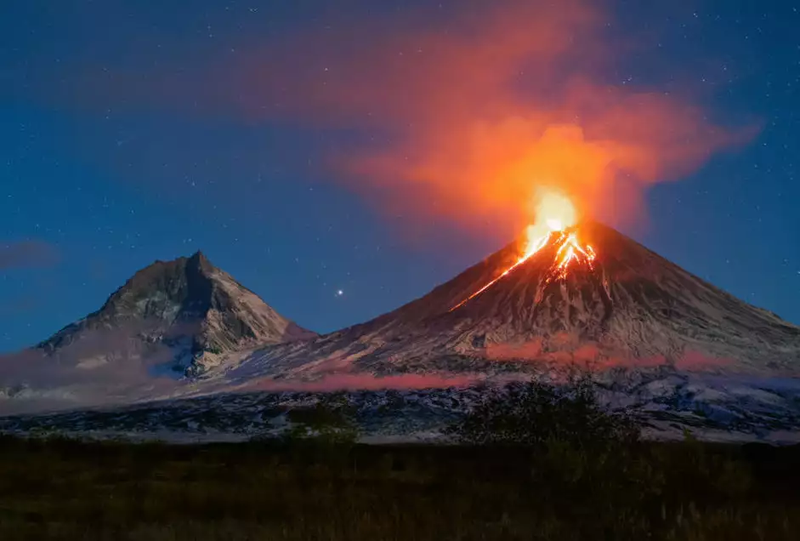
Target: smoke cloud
x,y
460,115
27,254
464,120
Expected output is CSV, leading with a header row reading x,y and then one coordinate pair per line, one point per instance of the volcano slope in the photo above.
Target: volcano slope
x,y
614,304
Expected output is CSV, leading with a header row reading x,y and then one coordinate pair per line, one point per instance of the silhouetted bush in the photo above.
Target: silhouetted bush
x,y
323,432
581,456
330,420
537,414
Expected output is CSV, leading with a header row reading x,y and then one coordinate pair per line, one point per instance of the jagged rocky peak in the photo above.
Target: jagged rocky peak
x,y
186,301
164,290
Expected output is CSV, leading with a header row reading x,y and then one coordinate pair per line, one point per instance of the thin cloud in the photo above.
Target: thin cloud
x,y
27,254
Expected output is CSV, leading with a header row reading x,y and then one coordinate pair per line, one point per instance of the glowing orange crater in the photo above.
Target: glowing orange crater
x,y
555,214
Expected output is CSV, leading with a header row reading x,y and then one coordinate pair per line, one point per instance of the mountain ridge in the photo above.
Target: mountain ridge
x,y
185,299
630,304
654,337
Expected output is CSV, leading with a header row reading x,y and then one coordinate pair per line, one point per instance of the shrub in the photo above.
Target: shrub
x,y
536,414
330,420
581,455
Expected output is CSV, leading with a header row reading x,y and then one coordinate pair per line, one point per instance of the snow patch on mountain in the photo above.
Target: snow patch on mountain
x,y
422,414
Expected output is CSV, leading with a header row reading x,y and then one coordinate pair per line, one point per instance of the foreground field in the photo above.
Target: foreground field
x,y
63,489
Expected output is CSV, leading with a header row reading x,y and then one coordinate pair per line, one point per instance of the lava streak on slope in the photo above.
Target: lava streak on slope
x,y
519,262
570,250
554,227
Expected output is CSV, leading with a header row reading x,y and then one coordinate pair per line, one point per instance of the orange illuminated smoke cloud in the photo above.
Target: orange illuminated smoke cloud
x,y
454,117
465,114
554,214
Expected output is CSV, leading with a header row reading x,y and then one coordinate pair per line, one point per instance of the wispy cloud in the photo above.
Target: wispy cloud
x,y
27,254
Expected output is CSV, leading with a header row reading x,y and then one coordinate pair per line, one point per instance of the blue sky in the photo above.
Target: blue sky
x,y
96,186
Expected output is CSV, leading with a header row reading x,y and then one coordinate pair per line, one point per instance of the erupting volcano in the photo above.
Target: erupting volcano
x,y
555,227
570,294
569,291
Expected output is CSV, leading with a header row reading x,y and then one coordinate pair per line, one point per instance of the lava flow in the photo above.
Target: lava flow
x,y
556,215
570,250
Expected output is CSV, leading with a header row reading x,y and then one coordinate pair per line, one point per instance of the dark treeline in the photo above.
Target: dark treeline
x,y
538,464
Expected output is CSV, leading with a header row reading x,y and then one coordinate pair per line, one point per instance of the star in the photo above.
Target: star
x,y
339,292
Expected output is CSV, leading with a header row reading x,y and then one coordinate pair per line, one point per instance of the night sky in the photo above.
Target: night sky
x,y
277,137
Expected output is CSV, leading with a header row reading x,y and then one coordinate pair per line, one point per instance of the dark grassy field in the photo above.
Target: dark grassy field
x,y
62,489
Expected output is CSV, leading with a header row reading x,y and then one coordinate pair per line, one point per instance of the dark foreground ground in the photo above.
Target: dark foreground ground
x,y
61,489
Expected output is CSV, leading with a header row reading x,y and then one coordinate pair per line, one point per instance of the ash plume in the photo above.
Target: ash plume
x,y
457,115
466,119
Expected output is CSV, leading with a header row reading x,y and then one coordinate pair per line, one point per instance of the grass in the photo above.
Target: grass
x,y
536,462
293,490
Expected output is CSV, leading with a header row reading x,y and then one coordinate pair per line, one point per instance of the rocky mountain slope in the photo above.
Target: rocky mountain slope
x,y
170,322
188,305
626,307
726,410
